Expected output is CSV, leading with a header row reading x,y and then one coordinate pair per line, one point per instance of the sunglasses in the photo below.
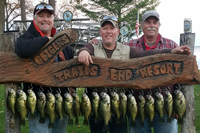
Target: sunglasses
x,y
44,6
110,18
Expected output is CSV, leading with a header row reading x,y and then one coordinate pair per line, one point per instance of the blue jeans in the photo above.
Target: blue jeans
x,y
158,127
113,126
36,127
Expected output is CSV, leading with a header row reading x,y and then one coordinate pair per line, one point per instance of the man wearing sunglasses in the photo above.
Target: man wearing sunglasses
x,y
38,34
110,48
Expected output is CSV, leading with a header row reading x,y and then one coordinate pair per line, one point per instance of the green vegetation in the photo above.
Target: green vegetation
x,y
85,129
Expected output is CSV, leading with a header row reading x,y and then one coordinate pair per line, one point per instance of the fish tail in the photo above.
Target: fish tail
x,y
85,122
76,121
22,122
32,116
142,124
71,122
180,120
124,119
42,120
161,120
118,120
96,120
169,119
133,123
106,128
51,125
151,124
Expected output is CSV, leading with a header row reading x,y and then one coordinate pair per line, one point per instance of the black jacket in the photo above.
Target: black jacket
x,y
30,43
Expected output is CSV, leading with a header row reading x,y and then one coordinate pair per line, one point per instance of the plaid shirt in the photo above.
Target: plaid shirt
x,y
163,43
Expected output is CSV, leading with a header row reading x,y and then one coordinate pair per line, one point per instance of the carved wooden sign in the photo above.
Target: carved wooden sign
x,y
139,73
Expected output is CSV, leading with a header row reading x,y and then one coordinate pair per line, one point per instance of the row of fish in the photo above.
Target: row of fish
x,y
102,106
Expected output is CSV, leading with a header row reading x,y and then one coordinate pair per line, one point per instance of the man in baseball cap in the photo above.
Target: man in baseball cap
x,y
150,13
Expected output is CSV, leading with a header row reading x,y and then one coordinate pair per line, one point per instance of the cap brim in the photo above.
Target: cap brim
x,y
112,22
43,10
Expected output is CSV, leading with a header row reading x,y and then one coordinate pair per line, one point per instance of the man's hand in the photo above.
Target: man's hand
x,y
94,41
84,57
181,50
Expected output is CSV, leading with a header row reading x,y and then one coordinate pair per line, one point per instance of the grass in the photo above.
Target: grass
x,y
85,129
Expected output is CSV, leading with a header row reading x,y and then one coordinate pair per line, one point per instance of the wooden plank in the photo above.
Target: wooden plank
x,y
139,73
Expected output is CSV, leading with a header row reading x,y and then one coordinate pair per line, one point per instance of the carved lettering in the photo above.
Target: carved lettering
x,y
76,72
143,72
128,74
177,67
113,74
43,56
38,60
163,69
51,50
156,69
149,71
169,68
120,75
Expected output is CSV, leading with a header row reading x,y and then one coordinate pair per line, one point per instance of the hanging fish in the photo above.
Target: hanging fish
x,y
21,108
168,103
85,108
76,107
95,106
40,106
105,110
141,108
68,107
123,105
115,106
159,106
132,108
11,99
179,105
50,109
31,102
149,109
59,105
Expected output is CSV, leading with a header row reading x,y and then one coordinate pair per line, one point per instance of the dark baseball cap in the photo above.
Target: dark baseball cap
x,y
43,6
112,19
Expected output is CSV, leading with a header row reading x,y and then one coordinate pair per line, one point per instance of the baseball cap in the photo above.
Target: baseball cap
x,y
112,19
149,14
43,6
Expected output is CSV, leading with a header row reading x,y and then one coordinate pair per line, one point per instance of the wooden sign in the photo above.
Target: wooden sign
x,y
139,73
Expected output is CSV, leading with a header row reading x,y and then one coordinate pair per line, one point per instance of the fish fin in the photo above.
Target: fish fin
x,y
124,119
169,120
22,122
32,116
106,128
161,120
42,120
76,121
180,120
51,125
85,122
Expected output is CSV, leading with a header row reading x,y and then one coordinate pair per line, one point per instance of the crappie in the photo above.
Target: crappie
x,y
85,108
11,99
179,105
123,105
40,106
59,105
50,109
31,102
159,106
105,110
132,108
115,105
21,108
141,109
95,106
168,104
76,107
149,109
68,107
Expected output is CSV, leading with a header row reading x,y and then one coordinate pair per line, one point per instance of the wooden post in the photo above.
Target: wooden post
x,y
188,126
11,124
